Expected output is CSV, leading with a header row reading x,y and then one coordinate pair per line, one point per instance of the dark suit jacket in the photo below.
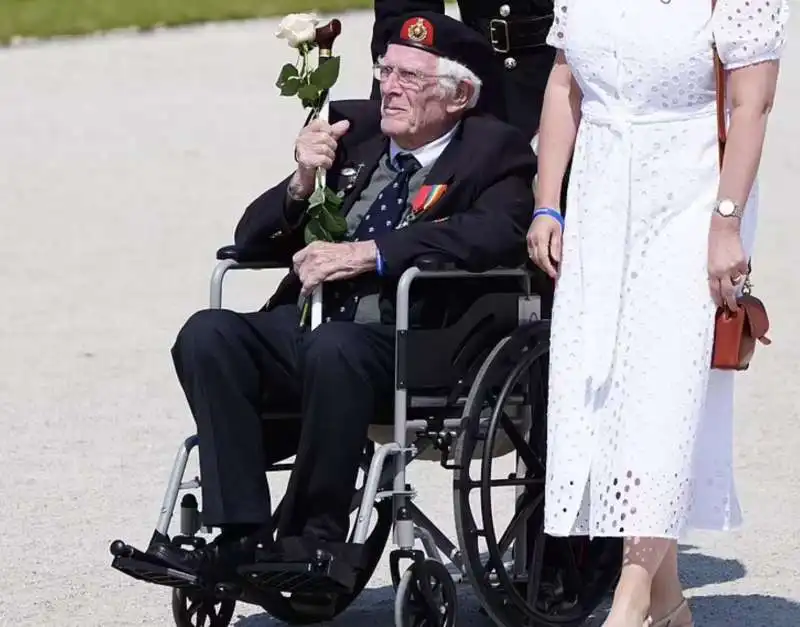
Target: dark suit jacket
x,y
479,223
516,93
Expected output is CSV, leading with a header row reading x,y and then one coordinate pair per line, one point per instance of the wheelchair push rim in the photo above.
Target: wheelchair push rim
x,y
555,581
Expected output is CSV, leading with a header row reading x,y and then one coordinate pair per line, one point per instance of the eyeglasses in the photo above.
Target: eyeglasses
x,y
407,78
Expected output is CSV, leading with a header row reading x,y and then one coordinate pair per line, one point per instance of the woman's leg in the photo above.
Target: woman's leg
x,y
641,562
666,592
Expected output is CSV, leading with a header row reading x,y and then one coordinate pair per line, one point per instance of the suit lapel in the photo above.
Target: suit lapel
x,y
441,173
444,168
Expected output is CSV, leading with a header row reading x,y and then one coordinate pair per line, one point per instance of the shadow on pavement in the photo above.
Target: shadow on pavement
x,y
698,570
751,609
375,606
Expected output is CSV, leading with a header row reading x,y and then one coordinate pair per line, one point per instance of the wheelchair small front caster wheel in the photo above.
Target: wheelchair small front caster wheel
x,y
426,597
194,609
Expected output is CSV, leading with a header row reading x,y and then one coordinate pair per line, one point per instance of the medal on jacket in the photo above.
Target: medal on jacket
x,y
426,197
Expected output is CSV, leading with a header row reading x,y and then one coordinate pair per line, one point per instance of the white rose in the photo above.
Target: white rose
x,y
298,28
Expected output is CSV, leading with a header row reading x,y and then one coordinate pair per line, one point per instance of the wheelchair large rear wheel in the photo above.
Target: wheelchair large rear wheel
x,y
309,609
520,575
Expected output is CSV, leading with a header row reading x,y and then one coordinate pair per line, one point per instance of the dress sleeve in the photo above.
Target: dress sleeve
x,y
557,36
749,31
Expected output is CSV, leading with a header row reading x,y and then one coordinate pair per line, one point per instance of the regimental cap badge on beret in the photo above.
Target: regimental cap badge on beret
x,y
419,30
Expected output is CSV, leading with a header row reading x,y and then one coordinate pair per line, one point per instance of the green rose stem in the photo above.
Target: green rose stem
x,y
313,87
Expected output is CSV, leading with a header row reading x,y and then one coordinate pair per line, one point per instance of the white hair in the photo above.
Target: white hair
x,y
451,74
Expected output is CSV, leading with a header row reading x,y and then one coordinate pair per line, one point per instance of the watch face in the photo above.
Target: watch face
x,y
726,208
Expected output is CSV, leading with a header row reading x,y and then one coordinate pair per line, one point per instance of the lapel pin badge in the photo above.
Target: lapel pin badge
x,y
350,174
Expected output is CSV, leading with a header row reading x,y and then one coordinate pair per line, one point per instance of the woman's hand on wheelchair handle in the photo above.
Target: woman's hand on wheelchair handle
x,y
544,244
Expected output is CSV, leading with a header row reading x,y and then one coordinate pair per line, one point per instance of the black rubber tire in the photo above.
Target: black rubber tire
x,y
410,609
192,609
511,359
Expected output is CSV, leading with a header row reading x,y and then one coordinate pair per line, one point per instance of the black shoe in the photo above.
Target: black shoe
x,y
218,561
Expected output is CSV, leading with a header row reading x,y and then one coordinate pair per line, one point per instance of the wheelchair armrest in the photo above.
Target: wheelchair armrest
x,y
239,258
252,258
440,266
435,262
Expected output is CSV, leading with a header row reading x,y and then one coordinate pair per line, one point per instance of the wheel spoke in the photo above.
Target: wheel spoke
x,y
524,512
523,449
194,606
536,565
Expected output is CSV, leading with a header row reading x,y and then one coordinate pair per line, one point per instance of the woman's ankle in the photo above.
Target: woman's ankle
x,y
661,606
632,599
665,596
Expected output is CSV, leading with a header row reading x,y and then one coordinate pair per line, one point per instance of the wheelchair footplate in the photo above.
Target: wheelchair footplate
x,y
146,567
321,574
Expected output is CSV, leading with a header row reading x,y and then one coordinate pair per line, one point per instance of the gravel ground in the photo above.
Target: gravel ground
x,y
125,161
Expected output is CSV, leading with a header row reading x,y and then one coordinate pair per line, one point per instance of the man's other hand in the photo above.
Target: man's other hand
x,y
326,261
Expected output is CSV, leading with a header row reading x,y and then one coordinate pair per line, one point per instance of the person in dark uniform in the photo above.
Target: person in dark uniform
x,y
421,172
516,31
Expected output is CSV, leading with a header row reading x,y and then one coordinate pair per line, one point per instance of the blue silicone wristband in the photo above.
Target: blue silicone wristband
x,y
547,211
379,263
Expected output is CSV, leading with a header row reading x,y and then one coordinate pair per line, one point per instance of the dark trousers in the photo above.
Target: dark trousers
x,y
339,375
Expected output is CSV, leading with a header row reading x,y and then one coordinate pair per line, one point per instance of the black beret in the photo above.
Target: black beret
x,y
445,36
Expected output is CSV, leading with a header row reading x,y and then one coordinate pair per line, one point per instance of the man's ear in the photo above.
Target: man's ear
x,y
462,96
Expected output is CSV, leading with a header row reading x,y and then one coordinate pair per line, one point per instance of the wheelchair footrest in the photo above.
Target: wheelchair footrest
x,y
152,572
146,567
321,576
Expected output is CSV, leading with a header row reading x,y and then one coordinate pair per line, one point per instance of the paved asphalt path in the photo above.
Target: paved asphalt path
x,y
125,162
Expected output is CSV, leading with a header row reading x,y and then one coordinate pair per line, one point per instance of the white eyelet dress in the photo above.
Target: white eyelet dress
x,y
640,430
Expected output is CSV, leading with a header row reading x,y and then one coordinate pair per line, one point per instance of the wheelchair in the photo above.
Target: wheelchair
x,y
467,394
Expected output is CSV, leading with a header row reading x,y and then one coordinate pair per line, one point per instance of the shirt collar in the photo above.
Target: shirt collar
x,y
428,153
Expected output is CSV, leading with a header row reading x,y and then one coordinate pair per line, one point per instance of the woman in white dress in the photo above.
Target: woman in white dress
x,y
639,427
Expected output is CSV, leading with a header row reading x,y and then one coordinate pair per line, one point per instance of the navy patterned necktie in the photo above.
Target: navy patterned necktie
x,y
385,212
382,216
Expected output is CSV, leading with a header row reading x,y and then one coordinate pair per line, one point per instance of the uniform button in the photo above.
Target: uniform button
x,y
505,10
510,63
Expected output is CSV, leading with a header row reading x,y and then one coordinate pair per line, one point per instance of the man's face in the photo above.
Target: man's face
x,y
412,106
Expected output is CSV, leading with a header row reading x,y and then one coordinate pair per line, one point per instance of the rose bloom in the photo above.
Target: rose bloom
x,y
298,28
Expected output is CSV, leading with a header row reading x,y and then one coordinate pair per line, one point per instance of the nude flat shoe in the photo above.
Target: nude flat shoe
x,y
670,620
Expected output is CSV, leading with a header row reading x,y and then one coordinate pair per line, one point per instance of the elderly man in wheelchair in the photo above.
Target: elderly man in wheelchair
x,y
432,188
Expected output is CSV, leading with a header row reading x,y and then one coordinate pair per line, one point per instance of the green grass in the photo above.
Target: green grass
x,y
48,18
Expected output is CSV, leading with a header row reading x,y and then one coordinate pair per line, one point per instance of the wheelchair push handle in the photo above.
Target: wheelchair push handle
x,y
326,35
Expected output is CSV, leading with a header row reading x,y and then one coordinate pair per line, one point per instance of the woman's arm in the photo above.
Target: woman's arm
x,y
752,90
561,114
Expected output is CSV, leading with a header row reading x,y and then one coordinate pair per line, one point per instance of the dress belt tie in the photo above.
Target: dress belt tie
x,y
603,285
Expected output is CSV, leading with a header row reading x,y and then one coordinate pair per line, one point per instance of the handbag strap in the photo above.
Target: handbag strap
x,y
722,126
722,134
